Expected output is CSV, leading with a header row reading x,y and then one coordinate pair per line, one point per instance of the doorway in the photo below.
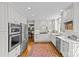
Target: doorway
x,y
31,30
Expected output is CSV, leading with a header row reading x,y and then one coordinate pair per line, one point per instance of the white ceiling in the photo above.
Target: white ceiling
x,y
41,9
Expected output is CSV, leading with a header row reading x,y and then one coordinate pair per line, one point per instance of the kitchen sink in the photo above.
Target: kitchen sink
x,y
73,37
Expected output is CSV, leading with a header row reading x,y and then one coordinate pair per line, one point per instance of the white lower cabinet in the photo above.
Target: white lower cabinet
x,y
53,39
42,38
64,48
69,49
15,52
76,50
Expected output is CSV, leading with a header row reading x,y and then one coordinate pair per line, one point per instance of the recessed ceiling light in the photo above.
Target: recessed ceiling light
x,y
61,10
29,8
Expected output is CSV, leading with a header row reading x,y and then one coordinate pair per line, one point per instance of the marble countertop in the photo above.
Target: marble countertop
x,y
67,39
57,34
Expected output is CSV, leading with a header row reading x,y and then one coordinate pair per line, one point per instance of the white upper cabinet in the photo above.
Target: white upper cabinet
x,y
76,17
13,14
8,13
68,13
72,14
3,17
23,20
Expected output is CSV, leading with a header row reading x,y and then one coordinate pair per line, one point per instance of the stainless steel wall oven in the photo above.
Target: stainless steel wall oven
x,y
14,35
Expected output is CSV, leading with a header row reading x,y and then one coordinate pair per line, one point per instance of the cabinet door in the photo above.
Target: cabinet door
x,y
3,17
76,17
76,50
42,38
3,44
64,48
53,39
71,50
23,46
10,13
68,13
13,15
16,16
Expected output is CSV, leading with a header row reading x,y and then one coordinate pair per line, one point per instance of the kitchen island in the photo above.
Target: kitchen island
x,y
42,37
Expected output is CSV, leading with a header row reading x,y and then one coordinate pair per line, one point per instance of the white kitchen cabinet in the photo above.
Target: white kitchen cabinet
x,y
73,50
76,17
42,38
24,20
53,39
3,44
3,17
10,13
64,48
68,13
23,46
76,50
69,49
3,30
13,15
15,52
24,42
71,13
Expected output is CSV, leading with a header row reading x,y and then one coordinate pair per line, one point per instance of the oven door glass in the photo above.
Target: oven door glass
x,y
15,40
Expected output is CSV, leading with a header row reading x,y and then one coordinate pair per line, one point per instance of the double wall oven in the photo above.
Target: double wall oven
x,y
14,35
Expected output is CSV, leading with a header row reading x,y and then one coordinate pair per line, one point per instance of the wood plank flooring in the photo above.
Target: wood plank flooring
x,y
40,50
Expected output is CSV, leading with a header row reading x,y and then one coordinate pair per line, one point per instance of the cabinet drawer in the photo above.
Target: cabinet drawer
x,y
15,52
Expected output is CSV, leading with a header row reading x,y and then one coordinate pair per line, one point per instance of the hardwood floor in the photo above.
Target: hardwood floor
x,y
35,53
29,47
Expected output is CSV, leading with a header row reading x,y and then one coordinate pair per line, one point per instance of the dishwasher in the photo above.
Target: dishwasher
x,y
58,43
